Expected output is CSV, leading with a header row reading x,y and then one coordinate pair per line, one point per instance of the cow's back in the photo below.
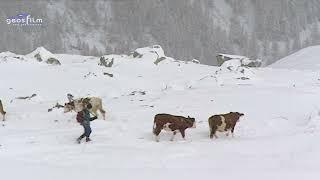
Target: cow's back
x,y
95,101
214,120
163,118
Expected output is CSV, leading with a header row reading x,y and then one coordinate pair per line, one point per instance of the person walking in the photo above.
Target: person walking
x,y
83,117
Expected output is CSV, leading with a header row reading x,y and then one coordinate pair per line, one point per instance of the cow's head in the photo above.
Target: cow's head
x,y
68,107
192,122
238,115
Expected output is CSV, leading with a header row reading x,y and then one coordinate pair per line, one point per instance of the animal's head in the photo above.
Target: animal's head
x,y
237,115
192,122
68,107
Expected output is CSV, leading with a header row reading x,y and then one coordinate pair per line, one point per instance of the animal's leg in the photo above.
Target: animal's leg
x,y
103,112
213,132
156,132
3,115
182,131
232,130
227,133
174,133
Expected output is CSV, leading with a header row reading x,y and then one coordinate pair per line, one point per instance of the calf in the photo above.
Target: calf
x,y
2,111
223,123
78,105
172,123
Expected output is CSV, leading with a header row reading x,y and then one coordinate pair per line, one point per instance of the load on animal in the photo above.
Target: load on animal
x,y
2,111
173,124
223,123
79,104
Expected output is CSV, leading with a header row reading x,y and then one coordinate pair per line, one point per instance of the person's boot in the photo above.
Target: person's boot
x,y
79,139
88,139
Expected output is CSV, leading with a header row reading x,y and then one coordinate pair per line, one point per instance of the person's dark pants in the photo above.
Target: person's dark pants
x,y
87,131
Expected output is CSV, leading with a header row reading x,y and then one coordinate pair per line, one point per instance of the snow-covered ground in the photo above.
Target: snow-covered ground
x,y
305,59
278,137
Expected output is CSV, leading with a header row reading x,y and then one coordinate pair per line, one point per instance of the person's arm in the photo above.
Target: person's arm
x,y
93,118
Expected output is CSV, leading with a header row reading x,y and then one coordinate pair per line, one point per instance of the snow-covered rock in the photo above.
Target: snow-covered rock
x,y
155,53
245,61
196,61
43,55
9,56
234,69
111,60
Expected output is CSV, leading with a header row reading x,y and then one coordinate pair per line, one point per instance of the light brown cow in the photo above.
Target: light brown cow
x,y
172,123
2,111
78,105
223,123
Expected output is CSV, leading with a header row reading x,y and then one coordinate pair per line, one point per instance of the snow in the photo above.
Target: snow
x,y
305,59
277,138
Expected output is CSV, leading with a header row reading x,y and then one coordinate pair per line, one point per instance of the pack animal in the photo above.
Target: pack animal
x,y
223,123
78,105
2,112
173,124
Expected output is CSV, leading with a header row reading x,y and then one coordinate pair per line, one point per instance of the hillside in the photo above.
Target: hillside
x,y
305,59
275,139
189,29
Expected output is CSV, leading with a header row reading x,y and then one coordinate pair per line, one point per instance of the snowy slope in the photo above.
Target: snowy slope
x,y
305,59
276,139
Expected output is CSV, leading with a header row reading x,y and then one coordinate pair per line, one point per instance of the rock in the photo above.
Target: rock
x,y
108,74
53,61
159,60
105,61
137,55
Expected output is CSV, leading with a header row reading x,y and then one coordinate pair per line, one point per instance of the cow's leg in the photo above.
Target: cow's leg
x,y
156,132
232,130
213,132
174,133
227,133
103,112
182,131
3,115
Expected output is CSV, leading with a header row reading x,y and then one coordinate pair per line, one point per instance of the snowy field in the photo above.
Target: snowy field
x,y
279,136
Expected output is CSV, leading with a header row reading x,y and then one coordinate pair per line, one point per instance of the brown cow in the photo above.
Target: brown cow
x,y
2,111
223,123
172,123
